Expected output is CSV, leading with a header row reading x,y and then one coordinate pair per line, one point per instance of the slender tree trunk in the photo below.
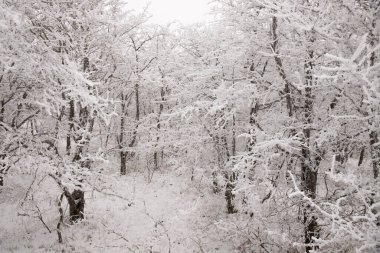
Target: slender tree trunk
x,y
2,111
375,152
280,68
161,108
309,170
233,136
137,116
361,156
123,163
71,127
2,166
374,134
2,175
123,156
60,222
137,98
252,123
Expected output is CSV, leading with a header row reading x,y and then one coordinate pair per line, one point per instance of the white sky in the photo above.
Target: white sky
x,y
164,11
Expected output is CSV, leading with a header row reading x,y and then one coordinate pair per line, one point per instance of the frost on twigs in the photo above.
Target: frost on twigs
x,y
359,229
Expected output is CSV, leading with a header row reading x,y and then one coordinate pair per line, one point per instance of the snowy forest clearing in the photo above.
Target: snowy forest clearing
x,y
166,215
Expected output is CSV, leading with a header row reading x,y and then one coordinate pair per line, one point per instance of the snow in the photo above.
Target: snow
x,y
165,215
271,113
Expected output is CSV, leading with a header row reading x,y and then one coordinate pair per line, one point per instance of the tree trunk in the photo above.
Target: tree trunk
x,y
361,156
161,108
375,152
229,195
374,135
71,127
86,122
280,68
2,110
309,170
123,163
76,204
233,144
2,177
60,222
252,123
123,155
137,98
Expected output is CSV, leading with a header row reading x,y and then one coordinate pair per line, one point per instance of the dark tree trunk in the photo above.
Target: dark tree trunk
x,y
71,127
374,135
137,98
3,170
2,109
252,123
123,163
280,68
137,118
375,152
76,204
60,222
233,144
2,156
123,155
229,195
86,123
309,168
161,108
361,156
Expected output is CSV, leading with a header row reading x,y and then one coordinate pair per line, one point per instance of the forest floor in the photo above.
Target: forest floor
x,y
169,214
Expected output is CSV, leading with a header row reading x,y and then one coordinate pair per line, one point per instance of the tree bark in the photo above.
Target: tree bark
x,y
160,109
71,127
375,152
123,156
280,68
60,222
233,144
76,204
309,170
374,135
252,123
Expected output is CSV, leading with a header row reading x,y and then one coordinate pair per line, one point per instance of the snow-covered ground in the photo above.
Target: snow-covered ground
x,y
169,214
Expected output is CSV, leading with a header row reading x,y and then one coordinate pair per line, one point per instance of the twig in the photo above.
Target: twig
x,y
120,235
199,244
109,194
41,219
30,187
159,223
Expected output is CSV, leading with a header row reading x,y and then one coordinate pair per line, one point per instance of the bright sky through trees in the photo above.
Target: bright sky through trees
x,y
164,11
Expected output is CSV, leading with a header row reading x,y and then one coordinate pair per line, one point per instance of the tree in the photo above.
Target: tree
x,y
294,55
52,90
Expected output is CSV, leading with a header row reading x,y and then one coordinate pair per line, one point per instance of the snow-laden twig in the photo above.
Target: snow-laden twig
x,y
340,224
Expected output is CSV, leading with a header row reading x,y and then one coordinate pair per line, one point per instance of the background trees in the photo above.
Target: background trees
x,y
300,38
